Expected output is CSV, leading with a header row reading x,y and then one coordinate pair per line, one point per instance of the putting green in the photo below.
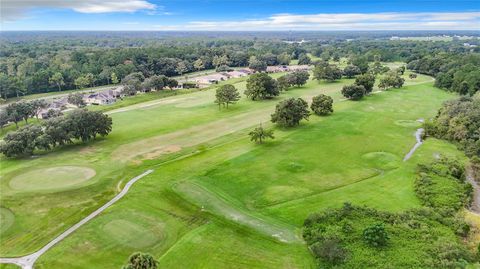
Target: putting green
x,y
6,219
131,234
52,178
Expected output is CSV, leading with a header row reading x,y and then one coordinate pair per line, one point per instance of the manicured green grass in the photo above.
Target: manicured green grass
x,y
354,154
52,178
8,266
6,219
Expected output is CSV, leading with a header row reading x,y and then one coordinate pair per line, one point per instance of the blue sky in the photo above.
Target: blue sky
x,y
239,15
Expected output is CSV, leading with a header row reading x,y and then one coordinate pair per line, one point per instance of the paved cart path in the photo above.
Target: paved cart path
x,y
418,137
27,262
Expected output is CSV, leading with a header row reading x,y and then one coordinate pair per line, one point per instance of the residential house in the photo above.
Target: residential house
x,y
101,98
204,81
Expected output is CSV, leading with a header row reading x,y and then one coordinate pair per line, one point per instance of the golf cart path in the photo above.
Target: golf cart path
x,y
475,206
418,137
27,262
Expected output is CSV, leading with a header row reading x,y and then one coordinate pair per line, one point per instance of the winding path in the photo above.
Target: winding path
x,y
27,262
418,137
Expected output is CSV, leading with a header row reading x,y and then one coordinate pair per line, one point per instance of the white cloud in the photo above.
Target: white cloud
x,y
343,21
15,9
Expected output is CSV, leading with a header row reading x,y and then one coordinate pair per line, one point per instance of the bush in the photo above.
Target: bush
x,y
330,250
376,235
141,261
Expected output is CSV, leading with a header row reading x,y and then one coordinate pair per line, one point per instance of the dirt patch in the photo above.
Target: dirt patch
x,y
88,150
157,153
150,104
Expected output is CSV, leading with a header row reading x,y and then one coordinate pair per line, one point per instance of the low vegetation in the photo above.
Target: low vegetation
x,y
353,235
141,261
429,237
441,185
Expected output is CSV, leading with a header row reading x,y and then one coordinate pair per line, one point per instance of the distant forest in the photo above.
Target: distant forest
x,y
37,62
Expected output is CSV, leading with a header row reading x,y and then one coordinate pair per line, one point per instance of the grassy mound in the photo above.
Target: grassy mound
x,y
212,203
52,178
6,219
382,160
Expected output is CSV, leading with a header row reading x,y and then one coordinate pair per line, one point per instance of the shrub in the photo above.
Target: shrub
x,y
330,250
441,185
376,235
422,238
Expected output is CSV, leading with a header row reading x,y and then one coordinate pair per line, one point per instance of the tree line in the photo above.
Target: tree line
x,y
454,72
35,67
22,111
79,125
458,121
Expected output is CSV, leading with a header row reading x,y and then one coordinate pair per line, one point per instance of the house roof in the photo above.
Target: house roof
x,y
105,95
